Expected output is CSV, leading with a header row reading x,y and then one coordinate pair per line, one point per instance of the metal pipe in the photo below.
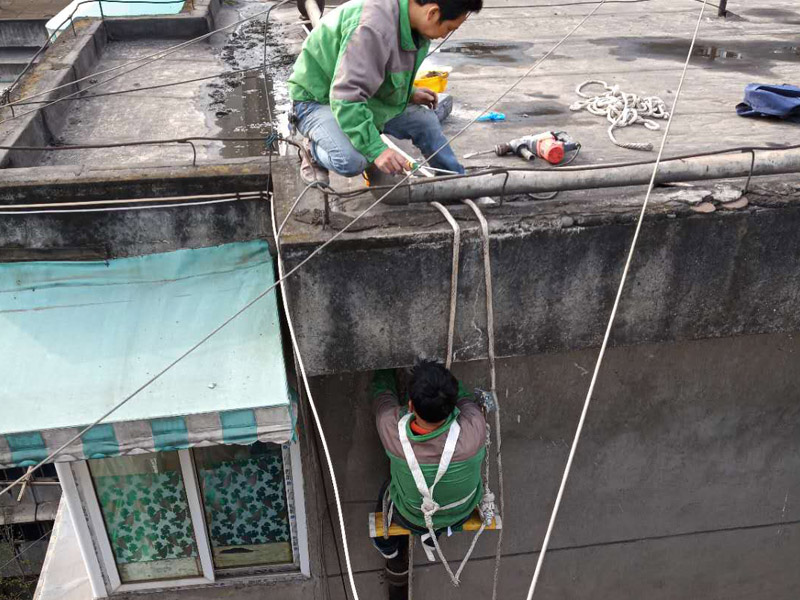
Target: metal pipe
x,y
313,12
724,166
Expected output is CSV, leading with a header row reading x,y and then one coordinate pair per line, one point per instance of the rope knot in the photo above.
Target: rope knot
x,y
429,507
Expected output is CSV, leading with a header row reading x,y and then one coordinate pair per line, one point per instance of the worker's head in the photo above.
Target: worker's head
x,y
433,391
435,19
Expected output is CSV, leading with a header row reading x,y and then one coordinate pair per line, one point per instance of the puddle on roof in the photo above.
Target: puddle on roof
x,y
747,55
240,104
489,52
780,15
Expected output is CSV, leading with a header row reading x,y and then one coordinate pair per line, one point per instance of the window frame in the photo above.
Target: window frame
x,y
79,483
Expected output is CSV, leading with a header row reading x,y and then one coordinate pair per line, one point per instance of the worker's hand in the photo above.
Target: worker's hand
x,y
425,97
391,162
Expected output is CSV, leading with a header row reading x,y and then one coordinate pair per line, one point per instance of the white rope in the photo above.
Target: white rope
x,y
487,506
311,403
622,109
487,269
613,315
50,457
453,280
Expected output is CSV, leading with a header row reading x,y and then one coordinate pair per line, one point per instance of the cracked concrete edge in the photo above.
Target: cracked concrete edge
x,y
415,224
80,183
71,56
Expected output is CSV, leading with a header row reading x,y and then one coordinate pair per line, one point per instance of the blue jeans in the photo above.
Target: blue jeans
x,y
333,150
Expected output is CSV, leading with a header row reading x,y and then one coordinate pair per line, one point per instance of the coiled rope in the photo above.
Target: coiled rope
x,y
622,109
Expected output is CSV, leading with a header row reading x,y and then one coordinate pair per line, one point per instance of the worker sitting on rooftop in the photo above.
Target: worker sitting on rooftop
x,y
354,79
442,427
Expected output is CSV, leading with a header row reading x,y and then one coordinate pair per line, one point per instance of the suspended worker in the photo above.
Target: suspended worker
x,y
354,80
439,427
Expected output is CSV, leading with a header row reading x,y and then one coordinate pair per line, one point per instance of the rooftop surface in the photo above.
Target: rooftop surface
x,y
638,45
30,9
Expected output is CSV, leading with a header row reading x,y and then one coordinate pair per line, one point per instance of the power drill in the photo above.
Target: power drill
x,y
551,146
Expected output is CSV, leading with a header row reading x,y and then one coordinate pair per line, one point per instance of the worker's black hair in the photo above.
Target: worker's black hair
x,y
433,391
453,9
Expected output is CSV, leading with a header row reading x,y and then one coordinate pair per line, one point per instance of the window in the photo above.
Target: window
x,y
146,515
244,495
188,517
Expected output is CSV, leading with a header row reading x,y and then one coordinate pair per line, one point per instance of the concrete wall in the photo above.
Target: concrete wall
x,y
693,277
684,486
91,236
30,33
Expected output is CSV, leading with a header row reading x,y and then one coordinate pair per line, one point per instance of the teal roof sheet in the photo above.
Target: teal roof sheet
x,y
78,337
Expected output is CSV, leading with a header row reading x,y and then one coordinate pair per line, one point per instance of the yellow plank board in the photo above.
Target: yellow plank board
x,y
474,523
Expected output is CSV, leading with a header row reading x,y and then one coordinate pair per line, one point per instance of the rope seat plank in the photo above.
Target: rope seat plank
x,y
622,109
376,527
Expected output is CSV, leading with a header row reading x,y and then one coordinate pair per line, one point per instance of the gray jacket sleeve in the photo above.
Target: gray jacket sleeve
x,y
360,71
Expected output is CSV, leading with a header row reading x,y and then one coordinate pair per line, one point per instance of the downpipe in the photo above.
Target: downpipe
x,y
510,183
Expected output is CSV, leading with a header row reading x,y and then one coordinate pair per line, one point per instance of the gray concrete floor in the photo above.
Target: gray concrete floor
x,y
231,107
639,46
30,9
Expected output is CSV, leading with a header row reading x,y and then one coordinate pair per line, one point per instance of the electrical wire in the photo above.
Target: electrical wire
x,y
501,170
607,336
311,403
150,58
234,196
562,4
51,456
115,208
31,545
69,19
184,140
489,170
146,88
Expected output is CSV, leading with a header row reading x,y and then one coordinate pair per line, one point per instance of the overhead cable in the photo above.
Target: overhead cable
x,y
69,19
143,88
50,457
604,345
150,58
311,403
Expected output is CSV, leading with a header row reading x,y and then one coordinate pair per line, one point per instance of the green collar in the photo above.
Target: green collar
x,y
436,432
406,39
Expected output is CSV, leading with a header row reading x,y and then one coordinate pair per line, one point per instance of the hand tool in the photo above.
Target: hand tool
x,y
551,146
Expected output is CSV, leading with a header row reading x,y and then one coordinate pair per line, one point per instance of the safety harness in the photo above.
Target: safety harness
x,y
429,506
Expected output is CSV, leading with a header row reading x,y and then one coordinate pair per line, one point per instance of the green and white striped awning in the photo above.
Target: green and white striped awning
x,y
80,336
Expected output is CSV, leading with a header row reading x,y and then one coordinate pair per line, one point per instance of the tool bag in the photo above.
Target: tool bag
x,y
765,100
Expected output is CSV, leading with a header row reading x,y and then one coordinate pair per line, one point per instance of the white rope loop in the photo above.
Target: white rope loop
x,y
622,109
453,280
317,421
487,269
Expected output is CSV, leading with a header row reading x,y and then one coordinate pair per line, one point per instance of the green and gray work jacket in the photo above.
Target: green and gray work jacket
x,y
361,59
462,478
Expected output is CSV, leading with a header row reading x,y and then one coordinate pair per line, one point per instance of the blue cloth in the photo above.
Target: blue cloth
x,y
491,116
333,150
764,100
